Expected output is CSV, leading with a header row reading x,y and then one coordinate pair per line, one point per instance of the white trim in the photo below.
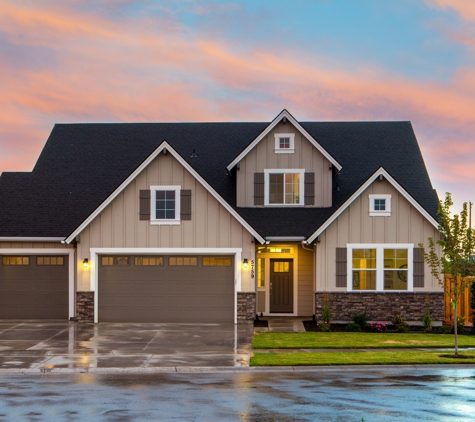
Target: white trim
x,y
153,192
380,213
71,261
95,252
285,238
380,172
286,114
380,265
138,170
290,149
267,172
31,239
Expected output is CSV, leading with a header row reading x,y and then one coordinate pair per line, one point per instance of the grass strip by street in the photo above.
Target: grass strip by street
x,y
396,357
321,340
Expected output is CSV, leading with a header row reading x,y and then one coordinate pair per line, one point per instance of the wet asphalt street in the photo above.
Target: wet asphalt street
x,y
330,394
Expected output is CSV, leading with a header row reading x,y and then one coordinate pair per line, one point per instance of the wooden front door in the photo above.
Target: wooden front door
x,y
281,285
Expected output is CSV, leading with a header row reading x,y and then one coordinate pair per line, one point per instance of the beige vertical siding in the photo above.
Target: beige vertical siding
x,y
211,225
261,302
306,285
405,225
262,156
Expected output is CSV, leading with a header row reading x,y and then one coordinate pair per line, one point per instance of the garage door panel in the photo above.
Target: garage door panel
x,y
34,291
166,293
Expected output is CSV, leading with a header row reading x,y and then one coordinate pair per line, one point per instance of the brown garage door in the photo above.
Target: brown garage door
x,y
33,287
166,289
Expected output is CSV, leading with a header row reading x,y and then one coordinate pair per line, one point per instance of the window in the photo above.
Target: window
x,y
379,205
380,267
183,261
165,205
115,260
284,143
284,188
217,261
49,260
261,274
148,261
16,260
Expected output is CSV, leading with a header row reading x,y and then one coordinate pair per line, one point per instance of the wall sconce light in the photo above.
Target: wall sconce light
x,y
245,263
85,263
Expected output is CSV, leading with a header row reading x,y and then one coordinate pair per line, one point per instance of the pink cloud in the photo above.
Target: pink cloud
x,y
464,8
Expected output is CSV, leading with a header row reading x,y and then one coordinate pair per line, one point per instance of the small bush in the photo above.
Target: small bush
x,y
378,327
324,326
353,327
461,325
326,312
360,319
427,319
445,329
401,325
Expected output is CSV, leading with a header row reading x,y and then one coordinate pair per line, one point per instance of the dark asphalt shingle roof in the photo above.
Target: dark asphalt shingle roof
x,y
82,164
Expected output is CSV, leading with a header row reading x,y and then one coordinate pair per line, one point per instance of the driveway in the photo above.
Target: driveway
x,y
48,346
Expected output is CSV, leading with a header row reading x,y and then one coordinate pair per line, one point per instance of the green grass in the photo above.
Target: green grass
x,y
319,340
416,357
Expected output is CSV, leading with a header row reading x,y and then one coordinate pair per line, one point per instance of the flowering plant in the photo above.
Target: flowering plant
x,y
379,327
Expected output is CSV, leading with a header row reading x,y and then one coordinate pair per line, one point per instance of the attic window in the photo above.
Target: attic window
x,y
379,205
284,143
165,205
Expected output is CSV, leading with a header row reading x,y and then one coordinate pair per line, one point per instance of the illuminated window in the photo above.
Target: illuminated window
x,y
284,188
49,260
261,277
16,260
281,267
149,261
217,261
115,260
183,261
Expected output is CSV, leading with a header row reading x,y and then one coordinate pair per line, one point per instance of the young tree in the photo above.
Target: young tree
x,y
457,242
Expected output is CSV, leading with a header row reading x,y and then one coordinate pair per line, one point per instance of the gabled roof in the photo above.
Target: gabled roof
x,y
284,114
81,165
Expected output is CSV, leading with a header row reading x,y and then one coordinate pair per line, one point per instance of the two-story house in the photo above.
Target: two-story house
x,y
218,222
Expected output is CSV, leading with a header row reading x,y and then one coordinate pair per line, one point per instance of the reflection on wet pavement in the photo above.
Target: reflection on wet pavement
x,y
54,345
377,395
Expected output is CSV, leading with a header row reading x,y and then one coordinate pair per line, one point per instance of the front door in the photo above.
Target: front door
x,y
281,285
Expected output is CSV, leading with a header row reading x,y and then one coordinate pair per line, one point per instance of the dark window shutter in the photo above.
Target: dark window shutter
x,y
418,269
185,204
341,267
309,188
258,188
145,204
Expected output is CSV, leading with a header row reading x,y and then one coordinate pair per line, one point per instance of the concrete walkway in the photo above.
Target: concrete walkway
x,y
61,345
283,324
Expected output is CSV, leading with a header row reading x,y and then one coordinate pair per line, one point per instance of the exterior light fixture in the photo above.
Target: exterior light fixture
x,y
245,263
85,263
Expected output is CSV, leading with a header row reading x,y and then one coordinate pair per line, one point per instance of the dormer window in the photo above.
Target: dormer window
x,y
284,143
284,187
379,205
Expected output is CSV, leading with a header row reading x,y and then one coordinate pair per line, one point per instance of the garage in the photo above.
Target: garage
x,y
162,288
34,287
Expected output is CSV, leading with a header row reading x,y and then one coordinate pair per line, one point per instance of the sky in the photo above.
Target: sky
x,y
66,61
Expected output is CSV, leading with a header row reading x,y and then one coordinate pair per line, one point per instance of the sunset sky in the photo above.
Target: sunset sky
x,y
166,61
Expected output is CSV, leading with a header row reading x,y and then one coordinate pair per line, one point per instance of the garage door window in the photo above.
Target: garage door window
x,y
115,260
217,261
149,261
183,261
16,260
49,260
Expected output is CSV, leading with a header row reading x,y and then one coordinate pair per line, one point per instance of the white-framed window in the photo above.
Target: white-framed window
x,y
379,205
284,187
284,143
165,205
380,267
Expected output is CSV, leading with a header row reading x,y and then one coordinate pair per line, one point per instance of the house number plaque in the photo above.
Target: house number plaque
x,y
252,268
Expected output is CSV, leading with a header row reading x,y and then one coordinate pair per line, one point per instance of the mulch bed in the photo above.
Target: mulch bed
x,y
261,323
313,326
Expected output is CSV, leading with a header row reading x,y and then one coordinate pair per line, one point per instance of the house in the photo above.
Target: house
x,y
215,222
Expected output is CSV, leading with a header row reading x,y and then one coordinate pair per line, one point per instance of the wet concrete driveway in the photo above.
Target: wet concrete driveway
x,y
49,346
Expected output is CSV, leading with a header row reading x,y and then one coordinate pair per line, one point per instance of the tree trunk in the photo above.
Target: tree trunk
x,y
455,330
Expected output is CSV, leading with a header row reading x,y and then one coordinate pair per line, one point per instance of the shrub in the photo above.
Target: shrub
x,y
445,329
353,327
401,325
324,326
461,325
360,319
427,319
378,327
326,313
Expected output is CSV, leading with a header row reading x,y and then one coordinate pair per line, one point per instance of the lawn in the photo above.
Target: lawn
x,y
319,340
393,357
